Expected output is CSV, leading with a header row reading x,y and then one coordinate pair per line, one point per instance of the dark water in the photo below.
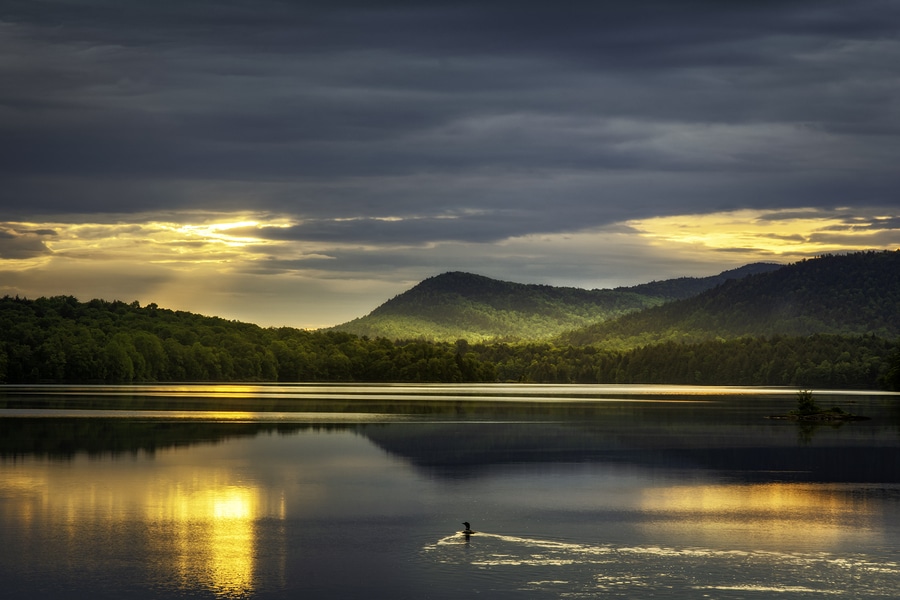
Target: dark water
x,y
360,492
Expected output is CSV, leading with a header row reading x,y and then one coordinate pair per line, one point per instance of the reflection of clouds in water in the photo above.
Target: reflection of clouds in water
x,y
767,514
541,564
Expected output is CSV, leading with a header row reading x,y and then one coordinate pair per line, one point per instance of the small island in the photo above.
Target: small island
x,y
808,410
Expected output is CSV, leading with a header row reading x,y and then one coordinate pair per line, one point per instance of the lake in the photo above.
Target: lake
x,y
360,491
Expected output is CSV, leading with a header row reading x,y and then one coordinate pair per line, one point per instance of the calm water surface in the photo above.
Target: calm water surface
x,y
360,492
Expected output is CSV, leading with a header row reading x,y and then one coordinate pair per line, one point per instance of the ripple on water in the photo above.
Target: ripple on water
x,y
570,569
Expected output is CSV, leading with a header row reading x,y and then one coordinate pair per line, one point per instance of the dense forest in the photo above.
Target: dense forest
x,y
60,339
824,361
457,305
853,294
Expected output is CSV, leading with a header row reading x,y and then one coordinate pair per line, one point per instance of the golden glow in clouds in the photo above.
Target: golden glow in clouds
x,y
275,270
783,233
241,238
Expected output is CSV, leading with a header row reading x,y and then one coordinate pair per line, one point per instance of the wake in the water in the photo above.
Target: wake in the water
x,y
513,564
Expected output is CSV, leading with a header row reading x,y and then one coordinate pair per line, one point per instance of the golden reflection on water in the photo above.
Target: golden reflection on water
x,y
212,535
774,512
200,526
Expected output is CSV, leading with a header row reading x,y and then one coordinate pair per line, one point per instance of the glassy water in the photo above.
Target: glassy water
x,y
361,491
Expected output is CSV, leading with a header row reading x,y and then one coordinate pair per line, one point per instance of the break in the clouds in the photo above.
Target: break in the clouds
x,y
318,157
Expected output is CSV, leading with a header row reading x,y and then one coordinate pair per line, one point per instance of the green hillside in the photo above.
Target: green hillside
x,y
63,340
852,294
459,305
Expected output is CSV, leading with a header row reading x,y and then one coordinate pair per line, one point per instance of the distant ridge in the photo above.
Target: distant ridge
x,y
685,287
852,294
831,322
458,305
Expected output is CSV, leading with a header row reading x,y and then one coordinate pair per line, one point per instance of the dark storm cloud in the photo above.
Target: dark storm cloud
x,y
17,244
509,117
408,231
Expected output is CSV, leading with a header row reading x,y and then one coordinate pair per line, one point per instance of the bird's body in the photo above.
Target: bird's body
x,y
468,529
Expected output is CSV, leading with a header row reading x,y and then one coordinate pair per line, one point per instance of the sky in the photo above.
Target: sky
x,y
298,163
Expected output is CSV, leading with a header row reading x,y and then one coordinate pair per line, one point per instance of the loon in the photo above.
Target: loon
x,y
468,529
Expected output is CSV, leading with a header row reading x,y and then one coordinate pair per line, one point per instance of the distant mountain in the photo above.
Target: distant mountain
x,y
750,331
686,287
460,305
849,294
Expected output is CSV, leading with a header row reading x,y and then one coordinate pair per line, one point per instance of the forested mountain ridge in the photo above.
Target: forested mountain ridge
x,y
850,294
458,305
62,340
686,287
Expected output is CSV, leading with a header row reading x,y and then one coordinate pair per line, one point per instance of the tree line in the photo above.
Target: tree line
x,y
821,360
60,339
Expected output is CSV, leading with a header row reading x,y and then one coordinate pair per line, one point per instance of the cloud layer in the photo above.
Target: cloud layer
x,y
400,139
